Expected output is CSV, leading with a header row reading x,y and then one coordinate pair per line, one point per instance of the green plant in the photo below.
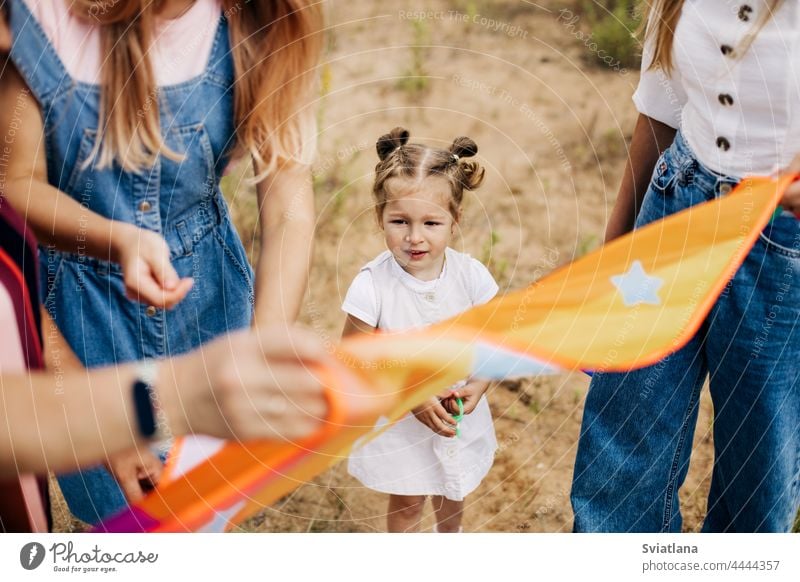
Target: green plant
x,y
611,40
325,81
415,79
497,267
611,145
586,245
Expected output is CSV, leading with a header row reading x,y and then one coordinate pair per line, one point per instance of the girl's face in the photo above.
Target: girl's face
x,y
417,224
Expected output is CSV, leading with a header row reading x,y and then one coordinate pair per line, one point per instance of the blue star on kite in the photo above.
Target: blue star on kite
x,y
636,286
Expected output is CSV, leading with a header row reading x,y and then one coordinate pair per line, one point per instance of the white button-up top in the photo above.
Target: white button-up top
x,y
739,113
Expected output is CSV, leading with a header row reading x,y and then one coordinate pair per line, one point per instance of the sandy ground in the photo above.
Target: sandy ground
x,y
552,133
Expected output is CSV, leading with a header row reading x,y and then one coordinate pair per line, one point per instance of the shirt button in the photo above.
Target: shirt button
x,y
726,49
744,12
150,311
725,99
144,206
723,144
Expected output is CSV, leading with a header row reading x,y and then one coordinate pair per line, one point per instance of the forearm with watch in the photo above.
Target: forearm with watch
x,y
78,418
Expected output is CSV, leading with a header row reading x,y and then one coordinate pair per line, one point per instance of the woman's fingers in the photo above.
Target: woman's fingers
x,y
149,274
266,397
143,287
155,252
140,286
129,483
132,467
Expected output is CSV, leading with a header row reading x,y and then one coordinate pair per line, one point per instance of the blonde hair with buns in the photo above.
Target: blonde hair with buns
x,y
413,161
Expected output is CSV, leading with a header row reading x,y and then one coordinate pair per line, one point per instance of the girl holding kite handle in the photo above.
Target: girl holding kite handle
x,y
419,281
718,99
124,117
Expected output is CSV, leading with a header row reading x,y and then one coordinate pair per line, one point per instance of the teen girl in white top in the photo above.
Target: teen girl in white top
x,y
719,99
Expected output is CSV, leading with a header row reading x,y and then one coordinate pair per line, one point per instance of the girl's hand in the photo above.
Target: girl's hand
x,y
470,395
149,276
137,471
791,197
433,415
247,385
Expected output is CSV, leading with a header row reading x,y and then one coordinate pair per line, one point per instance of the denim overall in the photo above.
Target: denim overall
x,y
636,436
180,200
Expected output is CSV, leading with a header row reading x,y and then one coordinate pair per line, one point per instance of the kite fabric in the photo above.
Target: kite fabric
x,y
626,305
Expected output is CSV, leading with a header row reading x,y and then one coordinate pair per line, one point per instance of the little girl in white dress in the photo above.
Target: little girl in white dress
x,y
419,281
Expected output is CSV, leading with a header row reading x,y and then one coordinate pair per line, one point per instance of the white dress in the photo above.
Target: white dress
x,y
409,458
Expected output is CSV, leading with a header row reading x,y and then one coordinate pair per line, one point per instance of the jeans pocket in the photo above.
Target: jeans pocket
x,y
782,236
664,174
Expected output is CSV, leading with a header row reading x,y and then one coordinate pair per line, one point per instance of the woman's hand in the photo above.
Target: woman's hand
x,y
791,197
5,32
149,275
433,415
250,384
470,395
137,471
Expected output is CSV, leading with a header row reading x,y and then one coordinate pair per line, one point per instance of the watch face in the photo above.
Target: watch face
x,y
143,402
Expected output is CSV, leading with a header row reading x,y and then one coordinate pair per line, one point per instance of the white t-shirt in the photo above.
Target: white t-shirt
x,y
739,114
181,46
408,458
385,296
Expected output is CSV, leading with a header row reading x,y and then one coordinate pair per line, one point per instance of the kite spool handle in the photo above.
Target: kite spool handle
x,y
460,416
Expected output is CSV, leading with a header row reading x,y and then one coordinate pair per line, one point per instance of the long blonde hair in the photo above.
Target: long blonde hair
x,y
663,16
275,45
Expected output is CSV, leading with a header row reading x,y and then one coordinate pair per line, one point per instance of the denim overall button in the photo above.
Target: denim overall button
x,y
744,12
725,189
150,311
144,206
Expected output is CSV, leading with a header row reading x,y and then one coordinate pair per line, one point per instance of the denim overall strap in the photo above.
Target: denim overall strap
x,y
220,71
33,55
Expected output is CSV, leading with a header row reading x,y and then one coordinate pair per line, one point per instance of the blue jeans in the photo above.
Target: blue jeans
x,y
636,436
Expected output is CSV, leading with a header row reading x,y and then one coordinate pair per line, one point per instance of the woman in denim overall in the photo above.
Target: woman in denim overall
x,y
736,106
180,200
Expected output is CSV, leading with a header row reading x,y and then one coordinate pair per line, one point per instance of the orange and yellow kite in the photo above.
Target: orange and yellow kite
x,y
626,305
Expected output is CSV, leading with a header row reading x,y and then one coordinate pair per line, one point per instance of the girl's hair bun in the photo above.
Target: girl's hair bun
x,y
464,147
389,142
